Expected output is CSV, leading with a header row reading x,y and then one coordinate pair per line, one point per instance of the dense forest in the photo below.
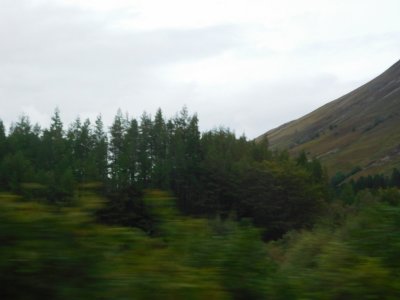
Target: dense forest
x,y
151,208
211,174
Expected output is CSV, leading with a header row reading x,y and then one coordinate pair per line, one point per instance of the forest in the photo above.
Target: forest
x,y
152,208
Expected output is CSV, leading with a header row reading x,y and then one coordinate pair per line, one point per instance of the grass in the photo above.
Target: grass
x,y
358,129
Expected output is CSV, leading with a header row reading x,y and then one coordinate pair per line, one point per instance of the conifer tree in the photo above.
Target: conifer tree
x,y
3,151
81,147
116,150
159,138
131,152
146,151
22,138
100,151
54,146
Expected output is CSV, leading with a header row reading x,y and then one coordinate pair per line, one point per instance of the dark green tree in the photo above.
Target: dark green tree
x,y
15,169
81,148
146,150
116,152
3,139
159,142
3,151
22,138
395,178
131,152
260,149
279,197
56,158
100,152
184,156
54,150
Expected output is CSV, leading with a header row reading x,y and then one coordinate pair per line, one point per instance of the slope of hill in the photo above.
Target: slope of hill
x,y
360,129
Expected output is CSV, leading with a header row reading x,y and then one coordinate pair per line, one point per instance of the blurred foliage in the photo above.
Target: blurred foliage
x,y
354,259
61,253
56,252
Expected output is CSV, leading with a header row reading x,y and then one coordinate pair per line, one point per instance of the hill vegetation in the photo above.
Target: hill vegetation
x,y
358,130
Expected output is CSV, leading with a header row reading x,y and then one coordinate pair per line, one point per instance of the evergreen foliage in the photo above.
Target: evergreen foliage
x,y
213,173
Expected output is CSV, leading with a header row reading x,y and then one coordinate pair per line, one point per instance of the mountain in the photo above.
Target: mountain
x,y
359,131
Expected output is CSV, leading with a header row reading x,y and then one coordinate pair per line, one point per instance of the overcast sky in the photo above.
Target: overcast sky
x,y
249,65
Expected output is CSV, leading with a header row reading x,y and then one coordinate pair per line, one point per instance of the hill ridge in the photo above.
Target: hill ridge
x,y
358,129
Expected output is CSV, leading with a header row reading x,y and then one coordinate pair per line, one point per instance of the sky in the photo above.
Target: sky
x,y
249,65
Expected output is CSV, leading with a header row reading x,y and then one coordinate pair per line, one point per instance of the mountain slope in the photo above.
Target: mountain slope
x,y
360,129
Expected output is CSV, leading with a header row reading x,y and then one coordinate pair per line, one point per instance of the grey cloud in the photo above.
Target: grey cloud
x,y
48,35
59,56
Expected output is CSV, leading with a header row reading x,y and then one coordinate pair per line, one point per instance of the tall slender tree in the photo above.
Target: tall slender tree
x,y
54,146
116,150
159,142
146,151
3,141
100,151
131,152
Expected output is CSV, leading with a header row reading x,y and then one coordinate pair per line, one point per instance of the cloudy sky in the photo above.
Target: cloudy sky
x,y
250,65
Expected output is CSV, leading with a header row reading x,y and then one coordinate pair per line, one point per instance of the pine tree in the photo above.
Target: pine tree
x,y
100,151
116,150
54,155
184,153
22,139
131,152
81,147
159,137
3,151
146,150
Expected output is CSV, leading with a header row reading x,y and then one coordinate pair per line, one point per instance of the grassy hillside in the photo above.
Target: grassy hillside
x,y
358,129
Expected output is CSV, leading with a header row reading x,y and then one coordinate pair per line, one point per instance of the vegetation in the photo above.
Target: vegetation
x,y
152,209
357,129
213,174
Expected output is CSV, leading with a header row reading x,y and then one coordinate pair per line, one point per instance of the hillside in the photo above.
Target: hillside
x,y
360,129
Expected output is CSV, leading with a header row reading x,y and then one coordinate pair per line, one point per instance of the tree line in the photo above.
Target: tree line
x,y
375,181
211,173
